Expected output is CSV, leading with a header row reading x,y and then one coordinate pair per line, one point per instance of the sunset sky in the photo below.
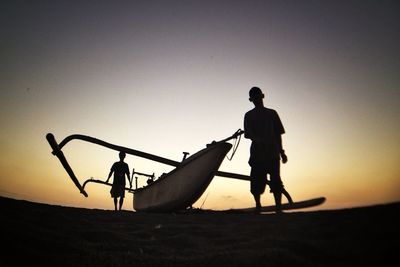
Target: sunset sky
x,y
171,76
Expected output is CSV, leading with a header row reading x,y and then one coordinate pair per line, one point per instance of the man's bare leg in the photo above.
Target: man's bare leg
x,y
258,203
278,200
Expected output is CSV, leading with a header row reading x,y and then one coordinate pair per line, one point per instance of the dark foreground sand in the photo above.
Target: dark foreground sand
x,y
35,234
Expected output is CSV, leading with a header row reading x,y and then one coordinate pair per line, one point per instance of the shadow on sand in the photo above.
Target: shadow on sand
x,y
45,235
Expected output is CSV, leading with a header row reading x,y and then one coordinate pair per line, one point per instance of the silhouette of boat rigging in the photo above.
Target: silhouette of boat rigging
x,y
176,190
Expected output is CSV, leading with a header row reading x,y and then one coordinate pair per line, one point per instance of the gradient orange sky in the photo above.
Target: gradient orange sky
x,y
171,76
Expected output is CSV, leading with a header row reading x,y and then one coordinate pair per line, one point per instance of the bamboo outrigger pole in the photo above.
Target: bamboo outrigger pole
x,y
60,155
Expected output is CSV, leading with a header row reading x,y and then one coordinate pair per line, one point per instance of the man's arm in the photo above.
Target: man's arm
x,y
281,150
279,130
248,131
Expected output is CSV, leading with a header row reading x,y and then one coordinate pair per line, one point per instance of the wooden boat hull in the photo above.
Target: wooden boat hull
x,y
185,184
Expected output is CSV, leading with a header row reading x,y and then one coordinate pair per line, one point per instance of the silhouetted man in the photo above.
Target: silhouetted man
x,y
120,169
264,127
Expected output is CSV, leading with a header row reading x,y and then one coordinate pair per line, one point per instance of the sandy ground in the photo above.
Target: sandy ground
x,y
36,234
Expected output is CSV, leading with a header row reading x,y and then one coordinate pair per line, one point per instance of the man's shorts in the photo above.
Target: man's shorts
x,y
258,176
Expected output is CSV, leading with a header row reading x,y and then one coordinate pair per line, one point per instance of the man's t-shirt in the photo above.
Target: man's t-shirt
x,y
120,169
263,124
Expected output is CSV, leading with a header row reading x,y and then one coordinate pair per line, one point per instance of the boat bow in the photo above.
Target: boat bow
x,y
185,184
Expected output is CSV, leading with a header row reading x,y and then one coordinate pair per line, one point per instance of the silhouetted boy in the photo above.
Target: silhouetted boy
x,y
264,127
120,169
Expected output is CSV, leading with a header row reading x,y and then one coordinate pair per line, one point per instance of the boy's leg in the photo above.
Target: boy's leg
x,y
121,201
115,202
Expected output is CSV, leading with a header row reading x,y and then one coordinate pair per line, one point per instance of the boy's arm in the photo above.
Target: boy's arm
x,y
128,177
129,180
109,175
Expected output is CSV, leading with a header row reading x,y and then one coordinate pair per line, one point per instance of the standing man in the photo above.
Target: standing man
x,y
120,169
264,127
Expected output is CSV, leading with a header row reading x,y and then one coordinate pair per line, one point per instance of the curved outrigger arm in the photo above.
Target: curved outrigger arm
x,y
130,150
118,148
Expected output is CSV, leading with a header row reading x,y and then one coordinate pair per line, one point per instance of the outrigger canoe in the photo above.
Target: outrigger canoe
x,y
174,191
